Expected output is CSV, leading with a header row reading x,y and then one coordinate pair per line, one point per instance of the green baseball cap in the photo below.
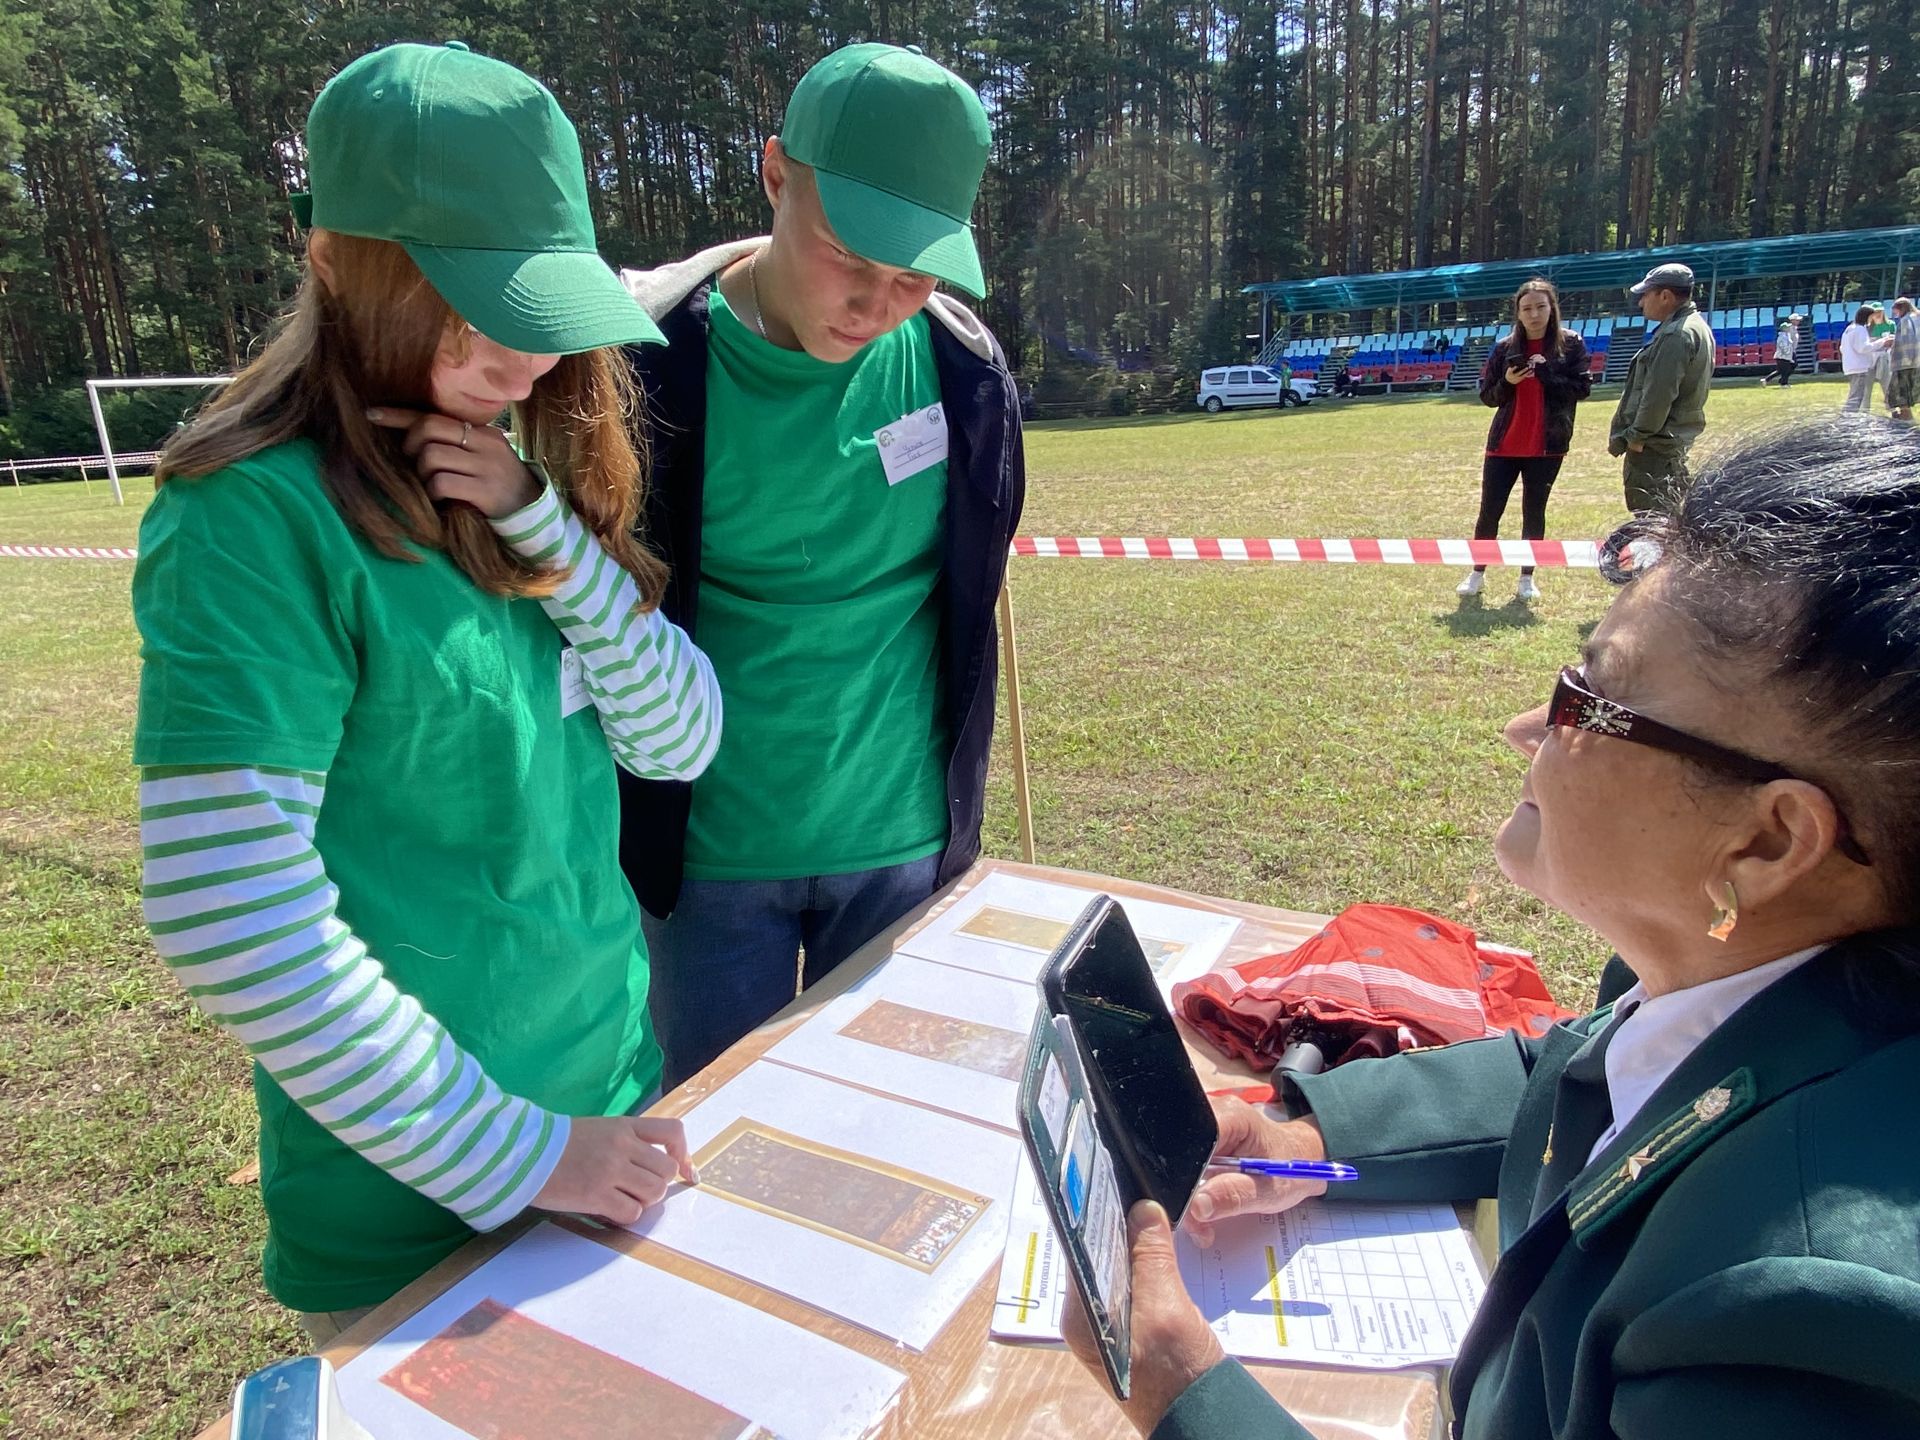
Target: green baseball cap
x,y
897,143
471,167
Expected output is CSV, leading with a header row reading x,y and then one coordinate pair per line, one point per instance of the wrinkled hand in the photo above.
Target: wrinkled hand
x,y
1635,446
483,471
615,1166
1173,1345
1225,1193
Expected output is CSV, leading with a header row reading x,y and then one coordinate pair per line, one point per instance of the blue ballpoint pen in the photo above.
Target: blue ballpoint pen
x,y
1330,1170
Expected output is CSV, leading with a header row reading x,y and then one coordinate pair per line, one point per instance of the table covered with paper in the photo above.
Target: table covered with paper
x,y
866,1254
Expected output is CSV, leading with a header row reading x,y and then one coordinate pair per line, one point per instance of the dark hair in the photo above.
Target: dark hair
x,y
1553,340
1798,553
1863,314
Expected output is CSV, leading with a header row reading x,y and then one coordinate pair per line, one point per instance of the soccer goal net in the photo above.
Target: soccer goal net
x,y
115,458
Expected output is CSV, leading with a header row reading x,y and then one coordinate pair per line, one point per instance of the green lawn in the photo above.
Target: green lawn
x,y
1307,736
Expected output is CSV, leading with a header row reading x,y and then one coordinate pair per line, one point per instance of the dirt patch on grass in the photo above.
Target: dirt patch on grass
x,y
104,851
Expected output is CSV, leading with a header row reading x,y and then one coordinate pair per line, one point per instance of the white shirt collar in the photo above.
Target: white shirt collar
x,y
1661,1031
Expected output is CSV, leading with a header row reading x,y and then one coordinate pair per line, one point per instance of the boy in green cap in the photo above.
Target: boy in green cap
x,y
837,476
389,668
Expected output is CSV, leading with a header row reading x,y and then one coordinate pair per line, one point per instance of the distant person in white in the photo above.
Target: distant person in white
x,y
1785,346
1858,351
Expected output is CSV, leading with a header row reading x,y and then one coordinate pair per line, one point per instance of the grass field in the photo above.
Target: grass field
x,y
1307,736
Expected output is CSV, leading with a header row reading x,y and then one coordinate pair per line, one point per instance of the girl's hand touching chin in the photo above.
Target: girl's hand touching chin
x,y
462,461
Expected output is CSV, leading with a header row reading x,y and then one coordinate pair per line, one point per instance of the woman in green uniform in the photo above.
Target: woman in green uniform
x,y
391,656
1709,1188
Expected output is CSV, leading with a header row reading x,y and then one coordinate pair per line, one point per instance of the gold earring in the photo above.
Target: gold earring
x,y
1726,916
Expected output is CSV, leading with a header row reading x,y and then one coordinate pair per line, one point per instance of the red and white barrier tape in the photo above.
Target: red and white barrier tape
x,y
68,552
1577,554
1572,554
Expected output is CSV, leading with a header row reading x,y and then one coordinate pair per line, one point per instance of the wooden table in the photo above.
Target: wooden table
x,y
966,1386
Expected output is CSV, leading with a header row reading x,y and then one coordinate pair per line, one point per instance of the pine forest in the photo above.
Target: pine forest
x,y
1151,156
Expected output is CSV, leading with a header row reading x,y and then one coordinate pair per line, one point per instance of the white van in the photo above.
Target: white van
x,y
1250,385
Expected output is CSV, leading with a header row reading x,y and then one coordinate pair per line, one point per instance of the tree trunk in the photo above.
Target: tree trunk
x,y
1429,143
1350,141
1602,68
1520,159
1758,211
1490,124
1462,136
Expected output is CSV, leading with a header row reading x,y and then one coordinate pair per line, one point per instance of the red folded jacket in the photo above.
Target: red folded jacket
x,y
1378,978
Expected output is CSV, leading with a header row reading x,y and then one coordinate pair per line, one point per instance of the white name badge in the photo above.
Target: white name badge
x,y
912,443
574,694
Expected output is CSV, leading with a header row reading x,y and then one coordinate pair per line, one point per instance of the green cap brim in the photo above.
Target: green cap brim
x,y
542,302
882,227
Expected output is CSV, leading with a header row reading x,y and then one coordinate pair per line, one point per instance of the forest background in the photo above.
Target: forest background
x,y
1150,156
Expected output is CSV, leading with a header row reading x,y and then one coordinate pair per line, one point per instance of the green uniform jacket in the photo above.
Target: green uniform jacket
x,y
1743,1260
1664,407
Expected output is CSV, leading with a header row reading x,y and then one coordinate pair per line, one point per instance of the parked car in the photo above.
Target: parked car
x,y
1241,385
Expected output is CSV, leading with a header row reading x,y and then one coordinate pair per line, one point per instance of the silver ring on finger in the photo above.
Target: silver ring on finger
x,y
466,429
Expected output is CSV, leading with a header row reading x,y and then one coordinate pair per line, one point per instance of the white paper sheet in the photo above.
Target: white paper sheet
x,y
1032,1294
1007,926
945,1037
1376,1286
773,1376
1372,1286
928,1206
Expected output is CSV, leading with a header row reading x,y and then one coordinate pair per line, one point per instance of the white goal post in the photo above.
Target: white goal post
x,y
157,382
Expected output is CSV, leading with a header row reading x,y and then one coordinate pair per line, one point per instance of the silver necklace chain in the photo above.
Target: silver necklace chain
x,y
753,286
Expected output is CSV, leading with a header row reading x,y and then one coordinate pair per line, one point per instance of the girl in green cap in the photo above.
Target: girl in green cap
x,y
389,666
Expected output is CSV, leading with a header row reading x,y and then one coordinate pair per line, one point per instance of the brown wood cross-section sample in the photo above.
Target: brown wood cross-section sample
x,y
1037,932
906,1217
968,1044
499,1376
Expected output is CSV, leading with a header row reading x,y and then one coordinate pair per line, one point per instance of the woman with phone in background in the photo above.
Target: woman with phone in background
x,y
1533,378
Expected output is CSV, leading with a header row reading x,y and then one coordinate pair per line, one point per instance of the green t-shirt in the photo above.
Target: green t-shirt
x,y
820,610
471,830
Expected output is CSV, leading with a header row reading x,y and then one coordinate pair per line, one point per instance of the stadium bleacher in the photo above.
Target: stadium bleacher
x,y
1743,335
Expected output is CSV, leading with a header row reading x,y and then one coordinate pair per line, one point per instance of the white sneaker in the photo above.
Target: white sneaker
x,y
1528,590
1475,582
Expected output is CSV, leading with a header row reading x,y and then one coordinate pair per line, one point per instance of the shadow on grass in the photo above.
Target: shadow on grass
x,y
1475,620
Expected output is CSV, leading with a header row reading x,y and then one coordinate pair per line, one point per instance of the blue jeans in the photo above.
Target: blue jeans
x,y
730,955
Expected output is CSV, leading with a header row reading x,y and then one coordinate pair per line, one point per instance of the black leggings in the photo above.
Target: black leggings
x,y
1497,474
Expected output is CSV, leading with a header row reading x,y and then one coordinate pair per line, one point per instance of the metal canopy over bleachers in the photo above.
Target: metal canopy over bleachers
x,y
1451,355
1833,251
1743,335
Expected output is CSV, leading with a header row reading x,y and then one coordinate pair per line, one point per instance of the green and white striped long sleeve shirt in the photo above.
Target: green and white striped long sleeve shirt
x,y
659,703
240,906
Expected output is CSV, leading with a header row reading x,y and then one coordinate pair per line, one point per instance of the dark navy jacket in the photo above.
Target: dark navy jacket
x,y
986,486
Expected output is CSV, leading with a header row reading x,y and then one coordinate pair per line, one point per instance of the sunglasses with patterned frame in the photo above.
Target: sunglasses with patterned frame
x,y
1575,707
